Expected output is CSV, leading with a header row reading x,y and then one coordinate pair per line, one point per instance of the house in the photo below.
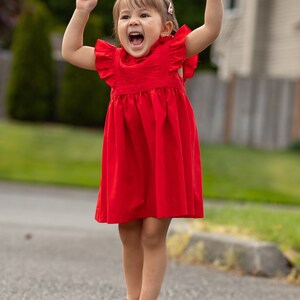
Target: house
x,y
259,37
255,100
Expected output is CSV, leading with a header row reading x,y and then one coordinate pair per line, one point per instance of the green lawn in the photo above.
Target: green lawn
x,y
50,154
280,226
71,156
238,173
55,154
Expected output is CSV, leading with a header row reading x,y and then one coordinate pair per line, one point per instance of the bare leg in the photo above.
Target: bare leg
x,y
132,252
155,256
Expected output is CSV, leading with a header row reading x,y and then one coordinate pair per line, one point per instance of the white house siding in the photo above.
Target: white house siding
x,y
283,40
233,51
275,46
262,31
235,44
227,50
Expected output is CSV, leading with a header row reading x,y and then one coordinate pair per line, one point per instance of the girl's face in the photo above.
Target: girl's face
x,y
140,28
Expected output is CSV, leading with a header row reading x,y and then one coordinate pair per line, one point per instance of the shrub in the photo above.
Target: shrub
x,y
8,12
295,146
84,97
31,86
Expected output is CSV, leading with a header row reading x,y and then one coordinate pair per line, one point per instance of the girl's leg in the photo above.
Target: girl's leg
x,y
154,234
132,252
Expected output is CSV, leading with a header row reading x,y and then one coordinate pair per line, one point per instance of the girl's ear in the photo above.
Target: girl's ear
x,y
168,28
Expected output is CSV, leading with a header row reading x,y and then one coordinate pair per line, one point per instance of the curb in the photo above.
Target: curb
x,y
230,253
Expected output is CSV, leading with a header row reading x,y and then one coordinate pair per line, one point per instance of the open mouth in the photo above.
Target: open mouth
x,y
136,38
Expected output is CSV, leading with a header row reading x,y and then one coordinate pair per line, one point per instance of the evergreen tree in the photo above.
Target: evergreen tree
x,y
31,86
190,12
9,10
84,97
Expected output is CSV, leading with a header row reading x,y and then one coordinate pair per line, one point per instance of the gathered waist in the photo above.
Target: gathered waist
x,y
147,86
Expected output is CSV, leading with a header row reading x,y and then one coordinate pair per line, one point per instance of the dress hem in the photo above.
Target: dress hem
x,y
105,220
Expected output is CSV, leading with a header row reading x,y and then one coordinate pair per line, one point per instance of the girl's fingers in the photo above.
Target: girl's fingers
x,y
87,5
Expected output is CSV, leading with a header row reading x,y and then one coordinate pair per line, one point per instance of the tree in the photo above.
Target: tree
x,y
31,86
63,11
190,14
9,11
84,97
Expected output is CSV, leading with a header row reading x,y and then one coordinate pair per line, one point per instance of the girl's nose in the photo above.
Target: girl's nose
x,y
133,22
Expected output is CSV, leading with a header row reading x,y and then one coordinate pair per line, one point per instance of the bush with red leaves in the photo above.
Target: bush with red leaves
x,y
9,11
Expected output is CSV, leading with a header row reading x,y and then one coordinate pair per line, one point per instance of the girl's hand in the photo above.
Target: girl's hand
x,y
73,49
86,5
203,36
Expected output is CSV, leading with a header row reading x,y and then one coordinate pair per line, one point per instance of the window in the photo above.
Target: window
x,y
232,4
231,7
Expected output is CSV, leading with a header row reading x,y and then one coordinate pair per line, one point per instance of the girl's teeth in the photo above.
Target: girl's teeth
x,y
136,38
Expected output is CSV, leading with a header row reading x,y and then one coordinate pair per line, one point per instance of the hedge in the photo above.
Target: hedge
x,y
84,97
30,92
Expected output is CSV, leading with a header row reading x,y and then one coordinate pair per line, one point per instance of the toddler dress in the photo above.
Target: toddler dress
x,y
150,154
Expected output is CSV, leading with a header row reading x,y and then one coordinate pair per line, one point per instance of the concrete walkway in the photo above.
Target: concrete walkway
x,y
51,248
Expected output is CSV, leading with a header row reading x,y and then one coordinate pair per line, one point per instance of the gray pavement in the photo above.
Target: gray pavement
x,y
51,248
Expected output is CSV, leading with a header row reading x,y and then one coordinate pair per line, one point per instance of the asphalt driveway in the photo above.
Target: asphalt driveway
x,y
51,248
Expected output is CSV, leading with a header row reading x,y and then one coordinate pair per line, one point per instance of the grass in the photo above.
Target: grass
x,y
280,226
50,154
238,173
65,155
71,156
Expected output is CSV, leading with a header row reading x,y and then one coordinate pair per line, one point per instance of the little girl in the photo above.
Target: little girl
x,y
151,170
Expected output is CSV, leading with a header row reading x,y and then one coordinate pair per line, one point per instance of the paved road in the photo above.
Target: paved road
x,y
51,249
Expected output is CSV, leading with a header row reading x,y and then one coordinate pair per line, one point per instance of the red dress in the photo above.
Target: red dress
x,y
151,154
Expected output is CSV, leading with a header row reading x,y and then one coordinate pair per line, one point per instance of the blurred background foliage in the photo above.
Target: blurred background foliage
x,y
72,108
30,92
27,28
191,14
9,12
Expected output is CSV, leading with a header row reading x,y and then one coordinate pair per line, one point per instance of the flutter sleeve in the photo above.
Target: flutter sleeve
x,y
178,54
105,54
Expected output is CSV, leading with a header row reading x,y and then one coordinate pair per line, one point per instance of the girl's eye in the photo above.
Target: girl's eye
x,y
124,17
144,15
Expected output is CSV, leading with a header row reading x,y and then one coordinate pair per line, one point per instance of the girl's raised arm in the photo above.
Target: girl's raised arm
x,y
202,37
73,50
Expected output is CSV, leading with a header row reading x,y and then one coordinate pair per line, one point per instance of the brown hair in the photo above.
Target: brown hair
x,y
161,6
